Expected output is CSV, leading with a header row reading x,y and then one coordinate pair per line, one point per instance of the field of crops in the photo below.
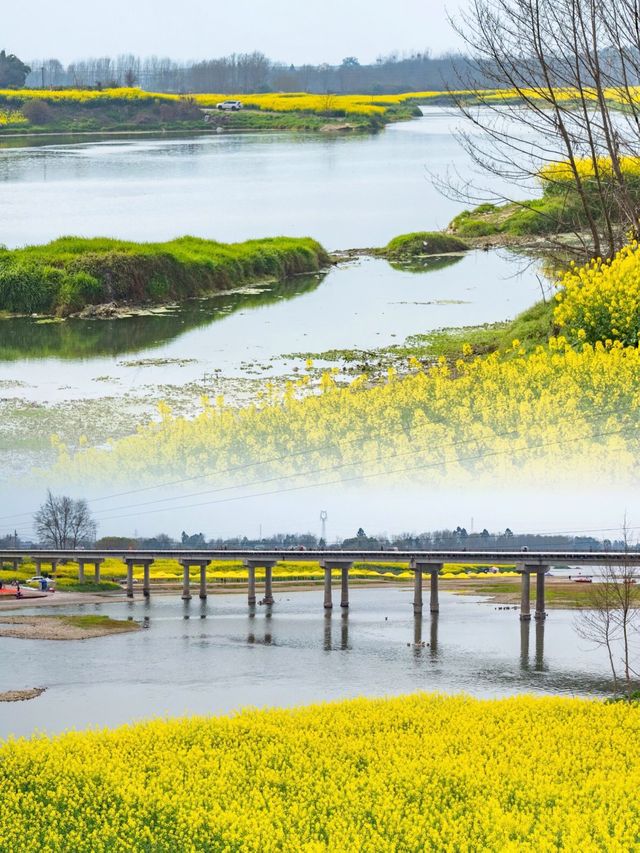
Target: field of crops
x,y
407,774
166,570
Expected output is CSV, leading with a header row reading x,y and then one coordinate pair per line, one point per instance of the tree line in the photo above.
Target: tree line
x,y
251,73
65,522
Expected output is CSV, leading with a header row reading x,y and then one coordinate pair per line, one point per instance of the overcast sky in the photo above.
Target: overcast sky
x,y
290,30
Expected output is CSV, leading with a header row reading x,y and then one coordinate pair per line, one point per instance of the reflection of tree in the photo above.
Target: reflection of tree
x,y
22,337
426,264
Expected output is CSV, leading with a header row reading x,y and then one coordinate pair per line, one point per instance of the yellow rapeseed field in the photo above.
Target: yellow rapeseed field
x,y
366,776
501,415
601,300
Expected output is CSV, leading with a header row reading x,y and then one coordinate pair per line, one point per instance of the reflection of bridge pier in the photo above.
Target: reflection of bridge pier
x,y
328,631
525,630
539,665
525,642
418,634
344,631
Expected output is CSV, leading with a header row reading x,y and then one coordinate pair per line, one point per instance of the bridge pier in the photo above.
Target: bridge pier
x,y
525,595
328,566
129,578
203,581
268,583
82,564
526,571
417,590
434,606
251,566
186,581
251,596
418,567
131,563
540,602
344,597
328,602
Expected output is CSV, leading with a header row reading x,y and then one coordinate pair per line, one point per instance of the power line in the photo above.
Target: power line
x,y
559,442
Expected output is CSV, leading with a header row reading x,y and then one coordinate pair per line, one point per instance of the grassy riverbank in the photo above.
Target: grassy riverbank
x,y
117,110
410,773
71,273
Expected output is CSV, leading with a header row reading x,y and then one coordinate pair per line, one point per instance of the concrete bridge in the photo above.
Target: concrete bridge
x,y
420,562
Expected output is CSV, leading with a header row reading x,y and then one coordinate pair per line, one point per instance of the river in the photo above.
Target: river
x,y
217,657
346,191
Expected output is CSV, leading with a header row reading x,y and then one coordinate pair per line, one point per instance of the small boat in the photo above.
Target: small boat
x,y
583,580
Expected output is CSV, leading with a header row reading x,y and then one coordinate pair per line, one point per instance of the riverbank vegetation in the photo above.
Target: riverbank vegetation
x,y
70,273
167,571
122,109
554,409
423,243
408,773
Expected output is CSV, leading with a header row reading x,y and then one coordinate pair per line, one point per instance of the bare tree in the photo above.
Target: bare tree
x,y
611,616
570,67
63,522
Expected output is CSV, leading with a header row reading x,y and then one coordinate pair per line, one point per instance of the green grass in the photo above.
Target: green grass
x,y
71,585
103,622
423,243
70,273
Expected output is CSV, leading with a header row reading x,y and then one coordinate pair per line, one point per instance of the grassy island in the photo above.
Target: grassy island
x,y
71,273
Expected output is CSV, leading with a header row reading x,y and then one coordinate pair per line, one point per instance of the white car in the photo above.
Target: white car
x,y
229,105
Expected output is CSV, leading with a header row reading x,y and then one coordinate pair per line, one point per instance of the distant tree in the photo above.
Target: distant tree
x,y
196,540
350,62
64,522
13,72
116,543
130,78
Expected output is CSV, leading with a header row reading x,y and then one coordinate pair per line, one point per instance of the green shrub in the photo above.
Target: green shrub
x,y
424,243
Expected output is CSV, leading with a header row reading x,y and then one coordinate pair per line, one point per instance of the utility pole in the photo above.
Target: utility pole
x,y
42,73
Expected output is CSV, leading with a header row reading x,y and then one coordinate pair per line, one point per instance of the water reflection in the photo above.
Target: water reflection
x,y
525,634
419,644
328,631
525,629
540,667
27,338
285,659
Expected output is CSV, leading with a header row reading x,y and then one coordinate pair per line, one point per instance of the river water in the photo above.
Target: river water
x,y
361,305
217,657
346,191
